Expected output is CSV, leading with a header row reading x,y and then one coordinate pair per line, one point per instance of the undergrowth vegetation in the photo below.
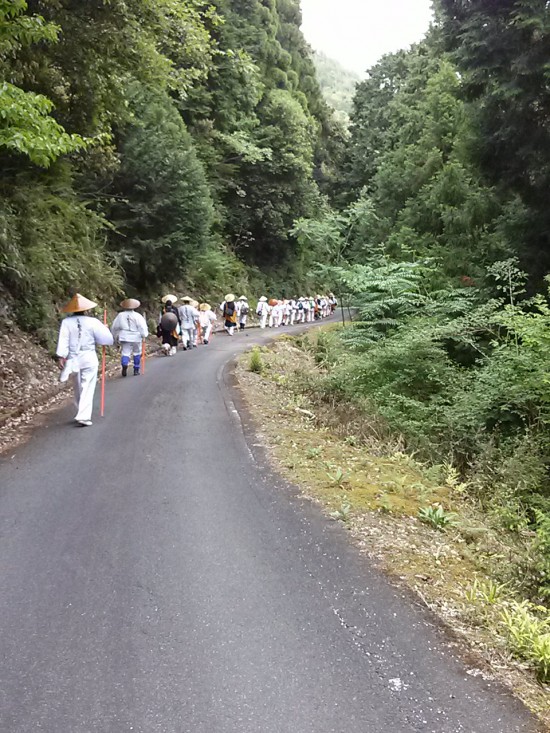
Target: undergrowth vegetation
x,y
422,520
458,375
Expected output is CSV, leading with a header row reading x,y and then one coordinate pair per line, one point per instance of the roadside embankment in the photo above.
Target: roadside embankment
x,y
415,521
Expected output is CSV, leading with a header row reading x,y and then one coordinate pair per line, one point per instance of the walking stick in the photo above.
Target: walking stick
x,y
103,359
143,355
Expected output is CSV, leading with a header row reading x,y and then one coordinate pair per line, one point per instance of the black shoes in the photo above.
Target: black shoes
x,y
124,371
136,371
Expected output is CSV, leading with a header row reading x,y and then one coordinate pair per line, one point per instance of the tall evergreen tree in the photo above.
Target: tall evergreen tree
x,y
501,49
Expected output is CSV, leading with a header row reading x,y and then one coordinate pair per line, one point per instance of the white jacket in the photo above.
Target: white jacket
x,y
129,327
78,336
206,318
188,316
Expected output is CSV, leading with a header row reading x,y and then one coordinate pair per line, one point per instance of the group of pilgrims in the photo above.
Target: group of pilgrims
x,y
190,323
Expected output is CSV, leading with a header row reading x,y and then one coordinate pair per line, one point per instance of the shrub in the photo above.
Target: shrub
x,y
437,517
255,363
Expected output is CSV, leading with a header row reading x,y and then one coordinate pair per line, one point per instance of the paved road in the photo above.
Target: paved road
x,y
156,578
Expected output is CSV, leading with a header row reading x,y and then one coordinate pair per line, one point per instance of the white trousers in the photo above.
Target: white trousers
x,y
84,383
130,348
263,320
206,331
188,336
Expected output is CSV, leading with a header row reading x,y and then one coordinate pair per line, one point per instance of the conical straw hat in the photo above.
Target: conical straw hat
x,y
229,298
78,303
243,297
204,307
171,298
186,299
130,304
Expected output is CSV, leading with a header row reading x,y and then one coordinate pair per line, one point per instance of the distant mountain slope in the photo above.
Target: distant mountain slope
x,y
337,84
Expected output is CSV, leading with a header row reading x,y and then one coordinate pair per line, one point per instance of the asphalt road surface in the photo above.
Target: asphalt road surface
x,y
156,577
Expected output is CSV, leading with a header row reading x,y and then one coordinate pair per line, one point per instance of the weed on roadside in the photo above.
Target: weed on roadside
x,y
255,363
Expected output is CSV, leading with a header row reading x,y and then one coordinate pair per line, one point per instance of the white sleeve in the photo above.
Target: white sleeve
x,y
63,340
115,328
102,335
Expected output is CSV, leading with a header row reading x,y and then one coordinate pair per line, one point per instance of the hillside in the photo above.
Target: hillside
x,y
337,84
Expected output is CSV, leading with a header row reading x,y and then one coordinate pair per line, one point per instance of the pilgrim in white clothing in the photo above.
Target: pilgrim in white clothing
x,y
243,309
76,350
129,329
262,311
207,318
189,317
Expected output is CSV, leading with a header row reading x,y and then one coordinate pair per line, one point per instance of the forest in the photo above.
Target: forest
x,y
146,144
436,231
337,85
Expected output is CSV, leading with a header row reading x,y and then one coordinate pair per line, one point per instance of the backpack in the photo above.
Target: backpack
x,y
229,309
245,310
300,306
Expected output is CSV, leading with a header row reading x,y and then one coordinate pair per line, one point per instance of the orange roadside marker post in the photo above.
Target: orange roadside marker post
x,y
103,360
143,355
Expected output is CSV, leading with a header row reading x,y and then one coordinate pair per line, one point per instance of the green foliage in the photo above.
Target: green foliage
x,y
163,212
436,517
338,478
207,126
51,245
337,85
500,51
26,127
487,591
343,512
527,627
255,363
541,551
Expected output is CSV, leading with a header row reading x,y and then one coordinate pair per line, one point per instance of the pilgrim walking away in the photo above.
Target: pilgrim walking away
x,y
129,329
79,335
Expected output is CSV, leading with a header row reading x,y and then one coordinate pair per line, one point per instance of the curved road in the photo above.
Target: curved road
x,y
156,577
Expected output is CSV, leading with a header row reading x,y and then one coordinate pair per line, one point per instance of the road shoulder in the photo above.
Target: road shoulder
x,y
376,498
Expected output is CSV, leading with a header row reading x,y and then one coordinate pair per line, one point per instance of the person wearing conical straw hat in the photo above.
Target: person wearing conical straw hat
x,y
262,311
79,335
189,317
243,309
195,304
129,329
207,318
229,312
169,326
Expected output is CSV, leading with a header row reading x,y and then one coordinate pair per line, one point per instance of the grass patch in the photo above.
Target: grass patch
x,y
255,363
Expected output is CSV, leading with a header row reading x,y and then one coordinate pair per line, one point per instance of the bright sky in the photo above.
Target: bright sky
x,y
357,32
